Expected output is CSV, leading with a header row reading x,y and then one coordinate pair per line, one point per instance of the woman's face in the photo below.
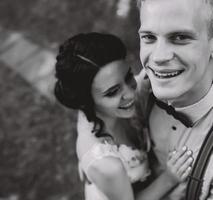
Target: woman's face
x,y
113,91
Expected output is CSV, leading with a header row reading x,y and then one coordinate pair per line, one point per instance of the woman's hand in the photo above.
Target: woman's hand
x,y
178,168
179,165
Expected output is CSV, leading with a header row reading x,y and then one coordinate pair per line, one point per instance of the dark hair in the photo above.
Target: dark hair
x,y
79,59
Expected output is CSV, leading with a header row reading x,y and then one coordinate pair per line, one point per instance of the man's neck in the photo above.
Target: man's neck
x,y
190,99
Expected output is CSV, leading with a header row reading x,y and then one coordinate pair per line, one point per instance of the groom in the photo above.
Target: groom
x,y
177,55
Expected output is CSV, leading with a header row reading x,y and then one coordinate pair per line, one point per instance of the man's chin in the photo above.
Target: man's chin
x,y
164,95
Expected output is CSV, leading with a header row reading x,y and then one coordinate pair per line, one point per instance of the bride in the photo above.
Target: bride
x,y
112,144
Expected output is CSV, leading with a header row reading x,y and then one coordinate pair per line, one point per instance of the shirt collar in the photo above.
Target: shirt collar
x,y
199,109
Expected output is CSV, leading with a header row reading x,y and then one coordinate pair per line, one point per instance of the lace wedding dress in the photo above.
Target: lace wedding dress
x,y
134,161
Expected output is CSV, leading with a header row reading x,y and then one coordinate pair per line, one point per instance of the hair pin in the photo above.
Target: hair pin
x,y
86,59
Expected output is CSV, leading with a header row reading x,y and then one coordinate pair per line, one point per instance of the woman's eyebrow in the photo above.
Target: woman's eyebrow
x,y
111,88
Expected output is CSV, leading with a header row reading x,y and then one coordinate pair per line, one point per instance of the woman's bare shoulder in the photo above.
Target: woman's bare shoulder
x,y
108,167
86,138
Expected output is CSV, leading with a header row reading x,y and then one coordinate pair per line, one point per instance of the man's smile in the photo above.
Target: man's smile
x,y
165,74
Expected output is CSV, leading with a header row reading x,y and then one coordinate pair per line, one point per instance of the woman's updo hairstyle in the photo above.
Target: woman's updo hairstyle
x,y
79,59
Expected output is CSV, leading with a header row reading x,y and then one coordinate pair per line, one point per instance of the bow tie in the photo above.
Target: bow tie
x,y
177,115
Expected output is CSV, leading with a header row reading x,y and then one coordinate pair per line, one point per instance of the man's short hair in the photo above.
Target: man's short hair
x,y
210,17
208,13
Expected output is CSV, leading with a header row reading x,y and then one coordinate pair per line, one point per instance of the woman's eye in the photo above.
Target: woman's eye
x,y
148,38
112,93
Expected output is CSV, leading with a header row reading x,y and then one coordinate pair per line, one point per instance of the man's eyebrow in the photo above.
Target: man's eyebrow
x,y
174,32
144,31
182,32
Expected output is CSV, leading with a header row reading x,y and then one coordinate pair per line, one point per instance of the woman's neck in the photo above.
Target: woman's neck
x,y
111,125
118,128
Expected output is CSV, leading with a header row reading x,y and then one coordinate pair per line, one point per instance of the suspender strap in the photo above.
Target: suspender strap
x,y
196,178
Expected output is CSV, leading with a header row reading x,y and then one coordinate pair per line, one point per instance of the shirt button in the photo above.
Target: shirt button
x,y
174,128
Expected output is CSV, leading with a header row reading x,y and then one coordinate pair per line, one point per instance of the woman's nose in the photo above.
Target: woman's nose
x,y
128,92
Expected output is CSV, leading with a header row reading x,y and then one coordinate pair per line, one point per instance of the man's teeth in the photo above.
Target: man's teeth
x,y
166,74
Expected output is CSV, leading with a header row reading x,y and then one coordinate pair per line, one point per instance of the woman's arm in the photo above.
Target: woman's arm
x,y
178,168
109,175
157,189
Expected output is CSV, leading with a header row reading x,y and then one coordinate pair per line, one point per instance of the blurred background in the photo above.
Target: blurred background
x,y
37,135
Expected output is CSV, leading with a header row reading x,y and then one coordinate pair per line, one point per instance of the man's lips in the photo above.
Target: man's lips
x,y
165,74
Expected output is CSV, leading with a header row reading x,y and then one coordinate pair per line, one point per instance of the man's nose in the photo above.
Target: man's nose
x,y
162,52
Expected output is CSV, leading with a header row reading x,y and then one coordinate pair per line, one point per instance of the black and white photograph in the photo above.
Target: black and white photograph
x,y
106,100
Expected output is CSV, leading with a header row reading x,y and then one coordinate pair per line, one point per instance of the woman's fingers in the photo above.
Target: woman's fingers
x,y
179,163
184,160
179,156
186,173
185,167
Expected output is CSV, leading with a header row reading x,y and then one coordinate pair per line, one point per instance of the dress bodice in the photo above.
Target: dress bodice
x,y
134,160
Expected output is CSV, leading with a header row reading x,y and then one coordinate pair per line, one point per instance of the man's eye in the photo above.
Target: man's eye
x,y
181,39
148,38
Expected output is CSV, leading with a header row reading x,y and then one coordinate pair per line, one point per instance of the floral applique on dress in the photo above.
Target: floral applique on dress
x,y
134,160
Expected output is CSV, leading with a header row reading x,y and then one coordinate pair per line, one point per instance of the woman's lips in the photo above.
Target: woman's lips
x,y
127,105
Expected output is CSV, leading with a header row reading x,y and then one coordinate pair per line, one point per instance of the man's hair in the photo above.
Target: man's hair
x,y
208,13
209,17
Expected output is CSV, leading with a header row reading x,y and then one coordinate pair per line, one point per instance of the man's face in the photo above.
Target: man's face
x,y
175,50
